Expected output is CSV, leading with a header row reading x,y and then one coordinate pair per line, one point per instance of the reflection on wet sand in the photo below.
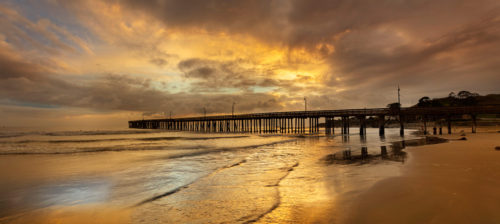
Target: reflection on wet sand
x,y
67,193
367,155
264,179
76,214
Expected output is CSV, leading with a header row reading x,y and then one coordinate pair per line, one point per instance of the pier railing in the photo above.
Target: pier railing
x,y
295,121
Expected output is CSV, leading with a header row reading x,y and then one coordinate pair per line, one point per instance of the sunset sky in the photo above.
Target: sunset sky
x,y
97,64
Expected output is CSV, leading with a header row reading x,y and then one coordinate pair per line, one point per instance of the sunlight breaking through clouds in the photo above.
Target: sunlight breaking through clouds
x,y
153,57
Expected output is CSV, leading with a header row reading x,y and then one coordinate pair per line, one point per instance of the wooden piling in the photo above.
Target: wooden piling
x,y
474,125
381,125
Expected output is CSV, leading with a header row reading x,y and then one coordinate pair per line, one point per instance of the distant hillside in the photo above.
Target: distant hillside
x,y
491,99
463,98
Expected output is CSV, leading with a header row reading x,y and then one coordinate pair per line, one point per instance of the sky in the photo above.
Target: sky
x,y
95,64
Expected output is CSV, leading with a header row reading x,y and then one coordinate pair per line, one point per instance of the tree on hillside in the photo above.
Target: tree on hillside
x,y
452,95
466,94
424,102
462,98
466,98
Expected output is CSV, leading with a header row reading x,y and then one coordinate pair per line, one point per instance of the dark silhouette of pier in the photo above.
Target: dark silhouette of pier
x,y
296,122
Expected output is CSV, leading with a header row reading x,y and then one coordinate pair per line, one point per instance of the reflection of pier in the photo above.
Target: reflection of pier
x,y
363,155
308,121
394,153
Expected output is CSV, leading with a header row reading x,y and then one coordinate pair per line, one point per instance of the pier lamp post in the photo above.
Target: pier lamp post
x,y
399,96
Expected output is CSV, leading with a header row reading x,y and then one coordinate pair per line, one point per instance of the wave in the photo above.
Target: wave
x,y
66,141
225,149
175,190
189,138
12,134
99,132
204,150
105,149
122,139
277,203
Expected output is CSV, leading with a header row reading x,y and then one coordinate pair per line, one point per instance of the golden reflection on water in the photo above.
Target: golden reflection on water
x,y
80,214
304,195
277,183
316,192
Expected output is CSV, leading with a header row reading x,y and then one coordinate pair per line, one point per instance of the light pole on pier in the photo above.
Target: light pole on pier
x,y
399,96
305,104
401,129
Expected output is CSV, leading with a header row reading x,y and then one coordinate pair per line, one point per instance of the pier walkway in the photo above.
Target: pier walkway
x,y
308,121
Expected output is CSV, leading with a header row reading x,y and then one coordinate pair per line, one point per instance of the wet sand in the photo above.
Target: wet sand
x,y
455,182
74,215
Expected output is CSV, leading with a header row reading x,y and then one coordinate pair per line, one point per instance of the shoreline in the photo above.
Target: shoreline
x,y
415,189
454,182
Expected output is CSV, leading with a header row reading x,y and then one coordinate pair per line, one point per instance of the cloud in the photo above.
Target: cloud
x,y
266,55
159,62
217,76
42,35
213,15
368,46
26,83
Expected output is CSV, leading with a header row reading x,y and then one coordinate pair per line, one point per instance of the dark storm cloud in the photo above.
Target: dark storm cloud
x,y
376,44
305,23
213,76
370,47
28,83
257,16
461,58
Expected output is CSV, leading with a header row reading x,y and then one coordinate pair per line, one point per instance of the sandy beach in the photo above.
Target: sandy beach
x,y
250,111
454,182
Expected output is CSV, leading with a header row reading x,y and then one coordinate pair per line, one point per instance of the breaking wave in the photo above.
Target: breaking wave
x,y
202,149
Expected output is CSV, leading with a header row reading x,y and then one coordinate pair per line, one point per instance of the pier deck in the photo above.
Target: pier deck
x,y
302,121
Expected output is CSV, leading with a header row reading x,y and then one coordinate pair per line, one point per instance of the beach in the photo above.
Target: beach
x,y
454,182
204,178
253,111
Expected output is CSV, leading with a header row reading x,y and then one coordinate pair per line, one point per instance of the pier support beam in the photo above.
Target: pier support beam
x,y
362,125
317,124
329,125
345,125
425,124
401,126
434,127
381,125
333,125
474,125
448,120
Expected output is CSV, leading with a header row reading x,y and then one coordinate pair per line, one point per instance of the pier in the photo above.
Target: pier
x,y
302,122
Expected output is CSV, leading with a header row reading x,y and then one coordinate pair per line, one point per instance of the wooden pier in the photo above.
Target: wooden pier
x,y
300,122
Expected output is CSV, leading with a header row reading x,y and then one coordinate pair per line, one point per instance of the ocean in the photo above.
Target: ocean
x,y
177,177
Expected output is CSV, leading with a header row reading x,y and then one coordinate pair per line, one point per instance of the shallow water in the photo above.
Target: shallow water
x,y
183,177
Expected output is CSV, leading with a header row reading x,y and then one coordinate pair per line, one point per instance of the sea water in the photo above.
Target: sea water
x,y
165,176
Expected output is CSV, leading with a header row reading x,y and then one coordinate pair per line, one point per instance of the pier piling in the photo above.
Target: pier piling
x,y
295,121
